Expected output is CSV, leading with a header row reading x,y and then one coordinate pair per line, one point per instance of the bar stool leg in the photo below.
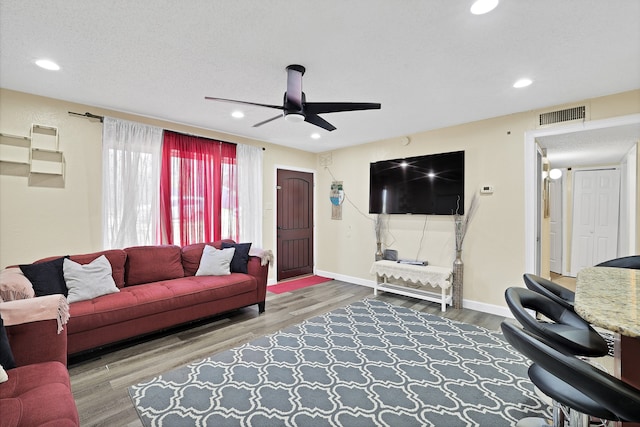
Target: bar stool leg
x,y
578,419
558,415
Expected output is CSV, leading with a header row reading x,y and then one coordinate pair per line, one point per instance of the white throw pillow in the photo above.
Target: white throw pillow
x,y
215,262
3,375
89,280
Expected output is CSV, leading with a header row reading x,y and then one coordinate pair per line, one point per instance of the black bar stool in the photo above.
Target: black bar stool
x,y
574,382
632,262
567,330
551,290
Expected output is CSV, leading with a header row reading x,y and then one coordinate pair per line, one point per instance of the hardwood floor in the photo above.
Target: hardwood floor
x,y
100,384
566,281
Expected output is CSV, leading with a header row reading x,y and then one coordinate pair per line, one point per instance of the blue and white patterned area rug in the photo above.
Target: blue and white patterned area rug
x,y
368,364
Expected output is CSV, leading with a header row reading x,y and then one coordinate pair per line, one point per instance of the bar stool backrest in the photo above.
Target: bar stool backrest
x,y
615,395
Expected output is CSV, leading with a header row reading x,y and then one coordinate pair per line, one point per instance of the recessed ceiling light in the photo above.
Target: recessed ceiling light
x,y
47,64
237,114
315,136
522,83
480,7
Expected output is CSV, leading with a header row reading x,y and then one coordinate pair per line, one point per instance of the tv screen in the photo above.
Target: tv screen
x,y
431,184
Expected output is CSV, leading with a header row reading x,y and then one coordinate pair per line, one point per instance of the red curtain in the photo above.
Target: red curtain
x,y
194,180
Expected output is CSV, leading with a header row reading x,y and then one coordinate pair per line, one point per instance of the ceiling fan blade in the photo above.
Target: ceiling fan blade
x,y
335,107
319,121
279,107
267,121
294,86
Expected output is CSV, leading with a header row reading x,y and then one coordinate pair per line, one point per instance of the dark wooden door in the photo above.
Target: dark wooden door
x,y
294,223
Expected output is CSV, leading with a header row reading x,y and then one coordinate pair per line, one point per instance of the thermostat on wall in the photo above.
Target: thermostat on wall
x,y
486,189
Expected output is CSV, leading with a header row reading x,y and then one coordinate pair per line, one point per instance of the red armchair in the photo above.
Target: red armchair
x,y
38,390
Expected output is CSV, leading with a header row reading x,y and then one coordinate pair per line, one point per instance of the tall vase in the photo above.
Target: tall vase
x,y
379,254
458,273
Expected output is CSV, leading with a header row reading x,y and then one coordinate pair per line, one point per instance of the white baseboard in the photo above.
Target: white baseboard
x,y
471,305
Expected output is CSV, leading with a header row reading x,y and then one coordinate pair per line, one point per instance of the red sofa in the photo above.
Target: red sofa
x,y
158,290
38,391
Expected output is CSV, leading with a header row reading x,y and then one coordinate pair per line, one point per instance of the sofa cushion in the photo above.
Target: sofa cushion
x,y
14,285
191,255
89,280
46,277
240,257
215,262
135,302
146,264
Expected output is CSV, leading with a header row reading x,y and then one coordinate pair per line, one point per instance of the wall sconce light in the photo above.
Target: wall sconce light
x,y
549,175
555,174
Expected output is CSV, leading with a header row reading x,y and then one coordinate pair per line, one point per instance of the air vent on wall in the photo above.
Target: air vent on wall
x,y
561,116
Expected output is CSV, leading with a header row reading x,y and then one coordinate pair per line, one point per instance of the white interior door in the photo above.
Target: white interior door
x,y
555,226
596,204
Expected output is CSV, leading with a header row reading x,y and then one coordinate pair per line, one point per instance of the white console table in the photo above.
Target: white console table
x,y
416,278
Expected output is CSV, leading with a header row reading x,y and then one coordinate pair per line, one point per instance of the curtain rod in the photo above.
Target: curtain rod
x,y
88,116
101,118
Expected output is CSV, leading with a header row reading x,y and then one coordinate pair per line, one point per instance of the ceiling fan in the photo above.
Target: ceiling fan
x,y
295,107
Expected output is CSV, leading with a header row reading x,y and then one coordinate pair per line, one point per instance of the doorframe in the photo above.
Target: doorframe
x,y
313,172
557,201
531,216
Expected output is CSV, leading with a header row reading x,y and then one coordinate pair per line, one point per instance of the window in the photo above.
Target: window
x,y
198,190
131,183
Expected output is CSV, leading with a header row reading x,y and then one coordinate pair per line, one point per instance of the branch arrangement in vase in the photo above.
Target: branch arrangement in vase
x,y
461,222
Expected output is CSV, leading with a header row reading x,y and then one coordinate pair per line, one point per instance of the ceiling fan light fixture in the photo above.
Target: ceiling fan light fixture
x,y
294,117
480,7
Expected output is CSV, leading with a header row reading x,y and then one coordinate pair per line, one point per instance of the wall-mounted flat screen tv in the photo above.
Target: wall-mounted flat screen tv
x,y
431,184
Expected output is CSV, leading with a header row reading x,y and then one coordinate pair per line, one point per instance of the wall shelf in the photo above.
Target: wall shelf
x,y
47,162
14,148
36,156
44,137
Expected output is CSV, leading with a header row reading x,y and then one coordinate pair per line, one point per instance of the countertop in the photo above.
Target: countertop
x,y
609,297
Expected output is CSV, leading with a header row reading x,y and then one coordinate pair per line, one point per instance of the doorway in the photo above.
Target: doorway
x,y
294,223
615,130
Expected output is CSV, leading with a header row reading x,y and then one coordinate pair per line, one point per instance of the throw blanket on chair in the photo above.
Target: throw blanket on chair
x,y
35,309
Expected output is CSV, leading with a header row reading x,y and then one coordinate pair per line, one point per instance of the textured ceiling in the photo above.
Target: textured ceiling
x,y
590,147
430,63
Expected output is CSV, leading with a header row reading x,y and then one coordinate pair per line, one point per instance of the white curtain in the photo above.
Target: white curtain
x,y
249,161
131,156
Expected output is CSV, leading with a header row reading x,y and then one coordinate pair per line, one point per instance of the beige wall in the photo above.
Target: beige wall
x,y
37,221
494,252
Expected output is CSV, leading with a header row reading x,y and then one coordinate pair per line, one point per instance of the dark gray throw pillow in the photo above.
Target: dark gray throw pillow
x,y
46,277
240,257
6,356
